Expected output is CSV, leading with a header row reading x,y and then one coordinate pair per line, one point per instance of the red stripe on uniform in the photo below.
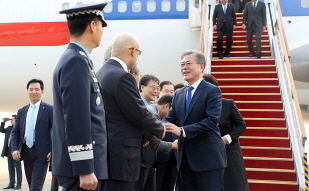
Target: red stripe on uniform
x,y
34,34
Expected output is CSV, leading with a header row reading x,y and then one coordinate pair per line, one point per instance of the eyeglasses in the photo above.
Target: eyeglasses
x,y
139,51
188,64
154,87
168,91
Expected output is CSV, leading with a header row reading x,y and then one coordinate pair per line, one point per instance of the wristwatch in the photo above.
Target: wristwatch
x,y
181,131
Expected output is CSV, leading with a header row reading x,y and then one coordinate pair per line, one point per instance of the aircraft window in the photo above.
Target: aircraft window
x,y
151,6
79,3
65,6
122,6
166,5
108,8
305,3
180,5
136,6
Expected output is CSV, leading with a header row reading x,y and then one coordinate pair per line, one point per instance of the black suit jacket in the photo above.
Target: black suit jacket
x,y
203,144
79,132
5,151
219,16
259,15
127,118
42,135
231,121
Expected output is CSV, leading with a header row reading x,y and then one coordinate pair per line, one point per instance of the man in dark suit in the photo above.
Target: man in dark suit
x,y
6,152
127,116
79,159
255,19
31,135
224,20
194,117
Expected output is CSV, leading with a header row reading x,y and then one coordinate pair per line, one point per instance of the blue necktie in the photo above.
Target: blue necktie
x,y
224,8
30,130
254,6
188,100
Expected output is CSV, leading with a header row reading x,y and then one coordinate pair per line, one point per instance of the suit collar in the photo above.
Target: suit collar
x,y
115,63
83,48
124,66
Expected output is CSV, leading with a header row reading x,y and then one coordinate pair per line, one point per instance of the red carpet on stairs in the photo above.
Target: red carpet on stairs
x,y
253,84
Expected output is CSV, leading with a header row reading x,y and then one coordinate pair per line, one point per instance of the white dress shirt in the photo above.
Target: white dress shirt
x,y
37,107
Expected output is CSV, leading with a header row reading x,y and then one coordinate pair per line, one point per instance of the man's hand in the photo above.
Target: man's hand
x,y
146,144
175,144
163,131
264,28
215,27
16,155
234,27
172,129
48,157
243,26
225,141
88,181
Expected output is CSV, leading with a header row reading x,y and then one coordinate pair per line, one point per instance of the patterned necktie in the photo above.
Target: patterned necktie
x,y
30,130
224,8
188,100
254,6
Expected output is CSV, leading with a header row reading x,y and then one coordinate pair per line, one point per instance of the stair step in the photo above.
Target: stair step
x,y
265,122
244,43
262,114
264,141
249,89
259,105
253,96
242,53
248,81
259,185
243,68
219,75
271,174
240,32
240,37
242,48
275,152
266,162
242,59
266,131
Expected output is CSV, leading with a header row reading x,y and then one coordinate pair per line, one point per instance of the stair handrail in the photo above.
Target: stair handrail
x,y
290,101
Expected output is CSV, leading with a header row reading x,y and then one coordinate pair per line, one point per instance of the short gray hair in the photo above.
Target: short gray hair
x,y
200,58
108,53
134,69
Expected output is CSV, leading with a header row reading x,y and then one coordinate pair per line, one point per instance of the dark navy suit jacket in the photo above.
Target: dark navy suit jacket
x,y
229,17
79,132
42,135
203,144
259,15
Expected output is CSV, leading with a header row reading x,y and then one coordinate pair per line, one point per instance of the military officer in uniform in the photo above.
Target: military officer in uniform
x,y
79,146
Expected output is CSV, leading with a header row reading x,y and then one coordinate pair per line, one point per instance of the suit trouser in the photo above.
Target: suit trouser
x,y
146,181
12,166
211,180
229,39
72,183
35,169
166,174
117,185
258,32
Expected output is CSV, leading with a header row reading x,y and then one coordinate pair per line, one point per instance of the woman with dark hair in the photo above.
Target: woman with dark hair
x,y
231,126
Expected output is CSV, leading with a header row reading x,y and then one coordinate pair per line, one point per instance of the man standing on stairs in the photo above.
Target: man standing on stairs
x,y
255,19
224,20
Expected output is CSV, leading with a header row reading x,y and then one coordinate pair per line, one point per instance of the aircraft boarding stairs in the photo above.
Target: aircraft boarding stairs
x,y
264,92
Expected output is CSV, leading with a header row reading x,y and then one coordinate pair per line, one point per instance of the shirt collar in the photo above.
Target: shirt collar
x,y
145,102
121,63
256,2
197,83
37,105
84,49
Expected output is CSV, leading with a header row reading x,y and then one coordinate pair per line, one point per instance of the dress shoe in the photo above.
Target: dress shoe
x,y
17,188
226,55
258,55
9,187
220,56
252,55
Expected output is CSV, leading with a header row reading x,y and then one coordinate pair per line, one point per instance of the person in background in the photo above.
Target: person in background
x,y
107,54
136,72
231,125
236,4
254,21
178,86
149,88
224,21
6,152
166,87
31,135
